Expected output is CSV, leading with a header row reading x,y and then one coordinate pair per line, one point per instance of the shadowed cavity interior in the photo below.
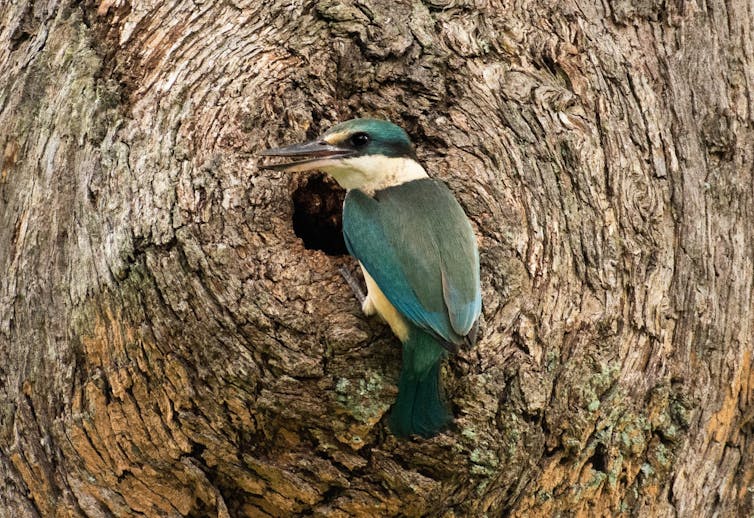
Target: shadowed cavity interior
x,y
317,215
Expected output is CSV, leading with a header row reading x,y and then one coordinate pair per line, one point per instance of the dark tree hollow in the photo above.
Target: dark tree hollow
x,y
317,215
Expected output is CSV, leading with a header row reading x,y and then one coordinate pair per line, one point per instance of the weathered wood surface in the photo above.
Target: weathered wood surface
x,y
168,346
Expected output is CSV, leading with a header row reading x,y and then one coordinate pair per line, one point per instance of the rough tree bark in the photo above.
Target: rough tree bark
x,y
175,338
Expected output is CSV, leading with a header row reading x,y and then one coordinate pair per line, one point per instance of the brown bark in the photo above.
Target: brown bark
x,y
170,347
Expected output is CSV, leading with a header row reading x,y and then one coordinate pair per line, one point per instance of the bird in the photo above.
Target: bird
x,y
417,251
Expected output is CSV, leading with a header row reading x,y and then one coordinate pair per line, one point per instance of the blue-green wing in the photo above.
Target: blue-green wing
x,y
418,245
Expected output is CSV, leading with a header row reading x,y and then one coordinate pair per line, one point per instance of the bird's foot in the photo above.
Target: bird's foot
x,y
354,284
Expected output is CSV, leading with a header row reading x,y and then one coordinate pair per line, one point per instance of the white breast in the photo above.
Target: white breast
x,y
371,173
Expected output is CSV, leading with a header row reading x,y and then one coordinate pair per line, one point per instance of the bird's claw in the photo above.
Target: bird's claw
x,y
354,284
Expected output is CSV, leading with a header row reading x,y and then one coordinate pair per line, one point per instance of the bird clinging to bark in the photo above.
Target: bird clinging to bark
x,y
416,249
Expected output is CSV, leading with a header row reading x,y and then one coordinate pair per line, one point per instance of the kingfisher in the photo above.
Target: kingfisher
x,y
416,249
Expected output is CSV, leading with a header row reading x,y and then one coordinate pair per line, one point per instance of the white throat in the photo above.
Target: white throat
x,y
371,173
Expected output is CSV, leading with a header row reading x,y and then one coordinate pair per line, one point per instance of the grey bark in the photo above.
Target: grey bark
x,y
170,347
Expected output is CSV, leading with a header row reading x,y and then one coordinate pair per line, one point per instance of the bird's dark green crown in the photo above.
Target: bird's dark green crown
x,y
371,137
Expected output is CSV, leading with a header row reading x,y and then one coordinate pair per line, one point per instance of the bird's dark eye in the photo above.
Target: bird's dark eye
x,y
360,139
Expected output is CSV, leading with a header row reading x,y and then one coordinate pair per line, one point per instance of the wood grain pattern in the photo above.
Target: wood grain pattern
x,y
169,347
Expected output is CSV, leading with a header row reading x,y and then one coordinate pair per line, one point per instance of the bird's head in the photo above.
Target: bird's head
x,y
359,153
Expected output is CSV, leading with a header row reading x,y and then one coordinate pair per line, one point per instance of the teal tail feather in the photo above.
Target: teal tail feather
x,y
419,409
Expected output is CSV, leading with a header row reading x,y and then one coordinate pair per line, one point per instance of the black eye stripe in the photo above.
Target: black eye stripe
x,y
360,139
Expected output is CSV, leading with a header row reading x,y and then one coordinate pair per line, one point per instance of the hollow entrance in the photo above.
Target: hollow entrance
x,y
318,215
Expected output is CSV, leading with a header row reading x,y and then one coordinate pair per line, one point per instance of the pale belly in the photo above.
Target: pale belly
x,y
376,302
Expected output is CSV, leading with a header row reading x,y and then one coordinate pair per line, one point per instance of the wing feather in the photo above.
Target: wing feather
x,y
417,244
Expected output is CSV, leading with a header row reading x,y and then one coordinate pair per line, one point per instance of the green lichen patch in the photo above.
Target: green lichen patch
x,y
363,399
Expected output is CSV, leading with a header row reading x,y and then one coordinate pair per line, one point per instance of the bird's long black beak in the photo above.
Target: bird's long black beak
x,y
313,154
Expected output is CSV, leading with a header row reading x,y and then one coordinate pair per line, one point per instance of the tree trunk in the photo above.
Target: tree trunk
x,y
175,337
